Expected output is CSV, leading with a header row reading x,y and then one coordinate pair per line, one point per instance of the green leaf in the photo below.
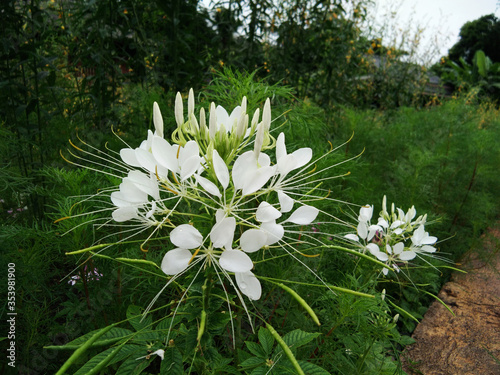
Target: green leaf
x,y
135,318
134,366
252,362
297,338
113,335
82,349
98,362
312,369
128,350
256,349
406,340
146,336
172,362
262,370
266,340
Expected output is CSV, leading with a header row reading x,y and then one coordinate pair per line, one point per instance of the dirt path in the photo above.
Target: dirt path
x,y
469,342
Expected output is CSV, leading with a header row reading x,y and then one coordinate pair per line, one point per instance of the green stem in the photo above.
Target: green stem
x,y
286,349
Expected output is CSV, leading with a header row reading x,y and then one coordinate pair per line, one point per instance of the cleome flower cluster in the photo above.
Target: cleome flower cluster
x,y
221,188
396,238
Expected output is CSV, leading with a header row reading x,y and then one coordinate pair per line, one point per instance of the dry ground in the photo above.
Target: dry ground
x,y
469,342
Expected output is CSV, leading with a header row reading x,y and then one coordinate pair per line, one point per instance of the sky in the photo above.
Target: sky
x,y
442,18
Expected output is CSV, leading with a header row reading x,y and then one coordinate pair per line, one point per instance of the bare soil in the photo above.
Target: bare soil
x,y
469,341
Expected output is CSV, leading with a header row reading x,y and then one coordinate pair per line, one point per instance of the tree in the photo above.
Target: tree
x,y
481,34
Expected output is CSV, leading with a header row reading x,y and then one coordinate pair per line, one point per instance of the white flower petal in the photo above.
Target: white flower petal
x,y
253,240
365,213
280,147
189,150
222,233
175,261
286,203
222,117
398,248
362,229
219,215
146,159
131,193
428,249
144,183
243,166
221,170
119,200
407,255
235,261
186,236
165,154
428,240
373,248
303,215
189,167
160,353
266,212
302,156
249,285
128,157
257,180
352,237
124,213
286,164
208,185
275,232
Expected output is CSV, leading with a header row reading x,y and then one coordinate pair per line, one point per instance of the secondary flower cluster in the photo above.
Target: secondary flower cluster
x,y
214,190
397,237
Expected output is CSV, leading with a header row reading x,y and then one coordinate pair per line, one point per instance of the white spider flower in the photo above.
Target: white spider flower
x,y
422,241
390,234
187,237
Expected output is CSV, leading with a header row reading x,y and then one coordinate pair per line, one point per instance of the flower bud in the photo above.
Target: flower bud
x,y
190,102
179,110
212,122
266,115
157,120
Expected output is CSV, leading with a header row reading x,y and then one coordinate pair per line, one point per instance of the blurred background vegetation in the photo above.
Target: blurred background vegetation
x,y
68,69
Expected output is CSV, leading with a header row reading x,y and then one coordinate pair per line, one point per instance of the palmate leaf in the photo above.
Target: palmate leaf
x,y
262,370
312,369
256,349
134,366
99,361
128,350
113,335
297,338
266,340
78,352
252,362
136,319
172,362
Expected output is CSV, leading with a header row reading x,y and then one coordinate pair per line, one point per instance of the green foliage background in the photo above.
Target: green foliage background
x,y
80,69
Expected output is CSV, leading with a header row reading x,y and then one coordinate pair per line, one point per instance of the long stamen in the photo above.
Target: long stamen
x,y
194,255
